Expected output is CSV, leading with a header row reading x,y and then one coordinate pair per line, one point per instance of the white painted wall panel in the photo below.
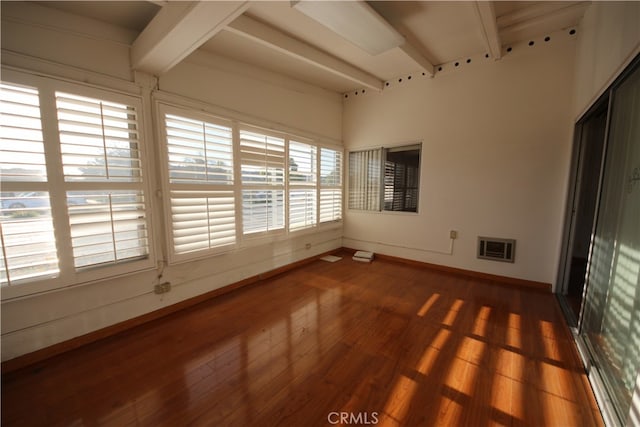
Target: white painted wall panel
x,y
496,146
608,38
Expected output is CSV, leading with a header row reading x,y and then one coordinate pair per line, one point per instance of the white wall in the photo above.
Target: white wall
x,y
609,38
496,139
85,50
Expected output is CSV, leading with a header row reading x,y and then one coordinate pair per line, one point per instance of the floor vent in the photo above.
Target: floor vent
x,y
496,249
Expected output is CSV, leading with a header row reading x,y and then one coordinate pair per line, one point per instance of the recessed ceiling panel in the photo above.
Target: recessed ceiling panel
x,y
133,15
244,50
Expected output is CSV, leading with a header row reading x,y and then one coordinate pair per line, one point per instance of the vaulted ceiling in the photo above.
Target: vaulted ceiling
x,y
277,37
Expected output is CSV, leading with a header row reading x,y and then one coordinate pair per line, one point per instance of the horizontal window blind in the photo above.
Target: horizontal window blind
x,y
100,148
200,172
107,226
199,152
330,205
202,220
302,185
262,166
330,185
302,208
302,164
21,141
99,140
364,179
261,158
27,239
262,210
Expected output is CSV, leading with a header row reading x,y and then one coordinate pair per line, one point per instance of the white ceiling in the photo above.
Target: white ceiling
x,y
277,37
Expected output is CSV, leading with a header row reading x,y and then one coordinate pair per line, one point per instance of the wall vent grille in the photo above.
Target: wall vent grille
x,y
496,249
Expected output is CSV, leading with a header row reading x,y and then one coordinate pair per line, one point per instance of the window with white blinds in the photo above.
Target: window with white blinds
x,y
27,237
262,169
330,185
200,179
75,183
302,185
364,179
98,140
101,164
232,184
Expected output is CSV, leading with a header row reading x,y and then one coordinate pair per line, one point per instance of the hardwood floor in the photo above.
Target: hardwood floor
x,y
381,342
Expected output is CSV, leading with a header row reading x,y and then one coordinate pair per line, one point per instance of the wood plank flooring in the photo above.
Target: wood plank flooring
x,y
381,343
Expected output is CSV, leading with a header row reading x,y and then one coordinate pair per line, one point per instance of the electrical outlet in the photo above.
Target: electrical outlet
x,y
453,234
162,288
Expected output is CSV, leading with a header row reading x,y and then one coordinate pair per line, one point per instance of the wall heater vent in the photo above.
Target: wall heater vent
x,y
496,249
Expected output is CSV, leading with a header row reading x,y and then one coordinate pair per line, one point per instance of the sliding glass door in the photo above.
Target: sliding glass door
x,y
610,324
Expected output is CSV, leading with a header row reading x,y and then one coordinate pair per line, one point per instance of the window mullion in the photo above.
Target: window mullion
x,y
318,183
237,180
286,199
56,183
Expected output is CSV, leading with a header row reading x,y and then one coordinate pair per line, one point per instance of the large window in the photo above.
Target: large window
x,y
73,196
302,185
200,179
385,179
262,166
100,150
330,185
26,226
234,185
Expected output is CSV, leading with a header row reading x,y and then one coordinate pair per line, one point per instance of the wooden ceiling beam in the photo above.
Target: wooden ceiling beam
x,y
178,29
278,41
489,28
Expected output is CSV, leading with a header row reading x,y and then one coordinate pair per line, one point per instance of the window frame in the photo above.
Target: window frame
x,y
307,186
385,152
339,187
163,107
57,187
276,232
379,209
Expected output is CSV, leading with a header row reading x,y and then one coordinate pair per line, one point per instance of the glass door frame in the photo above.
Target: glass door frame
x,y
586,352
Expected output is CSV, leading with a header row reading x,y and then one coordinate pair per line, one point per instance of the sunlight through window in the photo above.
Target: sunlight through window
x,y
399,400
481,322
514,331
428,304
453,312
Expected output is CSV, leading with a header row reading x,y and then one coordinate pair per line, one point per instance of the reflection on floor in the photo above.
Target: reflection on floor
x,y
325,344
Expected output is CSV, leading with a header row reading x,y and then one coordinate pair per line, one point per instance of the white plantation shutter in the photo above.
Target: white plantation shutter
x,y
98,140
202,220
330,185
100,149
200,175
107,226
199,152
330,205
262,158
27,241
262,210
302,208
21,141
302,185
262,163
302,164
